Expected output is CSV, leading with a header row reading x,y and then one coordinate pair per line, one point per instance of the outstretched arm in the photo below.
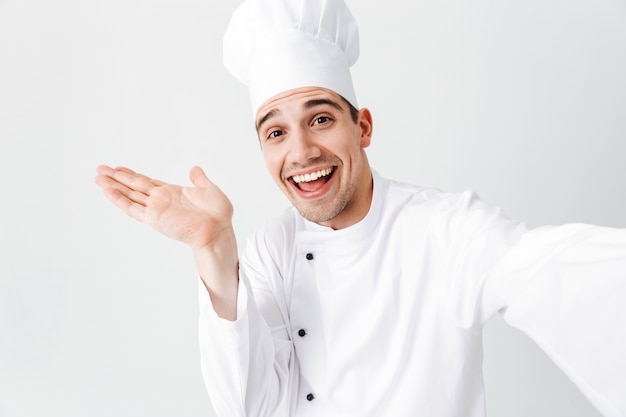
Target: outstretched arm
x,y
200,216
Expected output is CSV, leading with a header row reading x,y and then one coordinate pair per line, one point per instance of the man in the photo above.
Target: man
x,y
368,297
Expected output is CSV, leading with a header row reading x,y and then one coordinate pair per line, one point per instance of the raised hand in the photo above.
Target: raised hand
x,y
194,215
200,216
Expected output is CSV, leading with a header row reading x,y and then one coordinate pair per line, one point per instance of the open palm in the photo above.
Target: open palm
x,y
194,215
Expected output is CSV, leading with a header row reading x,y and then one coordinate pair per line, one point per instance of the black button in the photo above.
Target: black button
x,y
301,332
309,256
310,397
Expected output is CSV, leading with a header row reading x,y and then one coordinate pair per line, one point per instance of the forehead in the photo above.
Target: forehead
x,y
295,99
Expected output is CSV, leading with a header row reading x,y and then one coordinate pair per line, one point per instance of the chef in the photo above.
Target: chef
x,y
368,296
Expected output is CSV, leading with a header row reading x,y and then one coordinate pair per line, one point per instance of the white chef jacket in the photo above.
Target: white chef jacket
x,y
384,318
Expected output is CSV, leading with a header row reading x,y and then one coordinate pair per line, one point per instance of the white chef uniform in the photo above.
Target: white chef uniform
x,y
384,318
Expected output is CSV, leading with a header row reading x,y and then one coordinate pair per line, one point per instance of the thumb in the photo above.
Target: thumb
x,y
199,178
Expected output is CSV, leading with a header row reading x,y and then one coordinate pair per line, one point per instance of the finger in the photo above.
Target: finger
x,y
128,206
110,172
125,169
199,178
105,170
108,183
134,181
130,171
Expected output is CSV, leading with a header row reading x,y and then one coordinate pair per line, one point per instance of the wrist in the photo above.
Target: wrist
x,y
218,266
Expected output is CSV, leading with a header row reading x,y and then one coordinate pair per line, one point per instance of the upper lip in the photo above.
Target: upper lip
x,y
307,171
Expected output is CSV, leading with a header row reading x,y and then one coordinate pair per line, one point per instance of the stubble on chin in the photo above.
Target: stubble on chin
x,y
320,213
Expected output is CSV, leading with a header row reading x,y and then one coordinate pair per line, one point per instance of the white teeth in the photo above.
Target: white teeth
x,y
312,176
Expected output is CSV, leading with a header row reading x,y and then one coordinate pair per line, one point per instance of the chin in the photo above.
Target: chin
x,y
319,214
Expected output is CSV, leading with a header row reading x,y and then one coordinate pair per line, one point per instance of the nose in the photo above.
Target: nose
x,y
302,147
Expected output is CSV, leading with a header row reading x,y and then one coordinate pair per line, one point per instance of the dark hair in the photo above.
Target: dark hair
x,y
354,112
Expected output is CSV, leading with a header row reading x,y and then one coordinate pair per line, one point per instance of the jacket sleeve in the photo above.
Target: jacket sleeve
x,y
246,364
563,286
573,304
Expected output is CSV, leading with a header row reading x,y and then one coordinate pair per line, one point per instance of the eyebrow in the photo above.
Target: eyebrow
x,y
322,101
307,105
266,117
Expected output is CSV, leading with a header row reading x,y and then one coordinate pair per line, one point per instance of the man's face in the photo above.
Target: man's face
x,y
315,153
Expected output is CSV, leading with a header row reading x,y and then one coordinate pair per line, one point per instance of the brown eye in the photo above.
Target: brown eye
x,y
321,120
274,134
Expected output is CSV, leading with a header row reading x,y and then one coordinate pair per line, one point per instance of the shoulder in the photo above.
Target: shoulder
x,y
276,235
452,212
420,197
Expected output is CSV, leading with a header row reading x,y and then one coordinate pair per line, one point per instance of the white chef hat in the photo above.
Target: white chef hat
x,y
274,46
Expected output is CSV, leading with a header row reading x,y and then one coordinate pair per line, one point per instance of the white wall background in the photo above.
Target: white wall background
x,y
524,101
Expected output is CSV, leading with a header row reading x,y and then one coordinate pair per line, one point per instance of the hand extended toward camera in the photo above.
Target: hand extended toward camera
x,y
200,216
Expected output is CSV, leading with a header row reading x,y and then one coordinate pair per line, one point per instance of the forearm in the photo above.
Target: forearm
x,y
218,265
569,289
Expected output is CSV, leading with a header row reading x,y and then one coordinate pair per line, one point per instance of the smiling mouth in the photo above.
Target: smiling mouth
x,y
313,180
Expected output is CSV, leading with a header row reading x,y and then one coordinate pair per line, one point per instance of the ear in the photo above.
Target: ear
x,y
365,125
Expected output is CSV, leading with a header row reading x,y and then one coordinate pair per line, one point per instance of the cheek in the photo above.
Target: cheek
x,y
348,152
